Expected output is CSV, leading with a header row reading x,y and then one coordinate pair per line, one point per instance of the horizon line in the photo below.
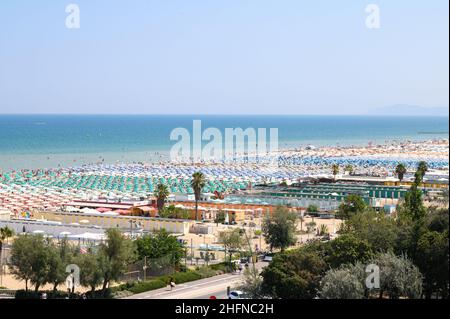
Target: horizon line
x,y
229,114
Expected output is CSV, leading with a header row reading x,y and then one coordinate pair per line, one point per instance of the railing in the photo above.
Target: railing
x,y
7,293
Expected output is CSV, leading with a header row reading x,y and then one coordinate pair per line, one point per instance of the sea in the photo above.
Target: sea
x,y
51,141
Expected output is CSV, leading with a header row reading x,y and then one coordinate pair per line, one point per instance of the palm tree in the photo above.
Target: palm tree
x,y
422,168
5,233
323,230
400,170
335,170
161,194
197,183
349,168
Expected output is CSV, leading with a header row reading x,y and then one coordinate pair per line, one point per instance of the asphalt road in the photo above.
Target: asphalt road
x,y
199,289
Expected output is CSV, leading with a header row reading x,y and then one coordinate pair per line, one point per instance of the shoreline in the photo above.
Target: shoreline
x,y
434,149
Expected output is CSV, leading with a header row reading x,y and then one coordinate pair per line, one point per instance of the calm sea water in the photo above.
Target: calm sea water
x,y
28,141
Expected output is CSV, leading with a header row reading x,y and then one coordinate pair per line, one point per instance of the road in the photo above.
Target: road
x,y
199,289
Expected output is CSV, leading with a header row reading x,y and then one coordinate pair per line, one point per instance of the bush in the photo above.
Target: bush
x,y
133,287
206,272
182,277
31,294
98,294
59,294
223,266
146,286
23,294
343,283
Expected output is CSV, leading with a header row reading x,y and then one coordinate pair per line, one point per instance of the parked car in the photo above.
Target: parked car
x,y
236,294
245,260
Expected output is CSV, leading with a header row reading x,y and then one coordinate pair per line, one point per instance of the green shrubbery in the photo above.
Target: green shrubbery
x,y
206,272
132,287
24,294
223,267
143,286
162,281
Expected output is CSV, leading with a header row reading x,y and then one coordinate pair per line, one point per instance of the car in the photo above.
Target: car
x,y
236,294
267,258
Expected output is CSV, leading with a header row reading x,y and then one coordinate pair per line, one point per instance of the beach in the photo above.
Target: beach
x,y
61,141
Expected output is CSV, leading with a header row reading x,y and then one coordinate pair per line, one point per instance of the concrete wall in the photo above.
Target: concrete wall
x,y
48,228
147,223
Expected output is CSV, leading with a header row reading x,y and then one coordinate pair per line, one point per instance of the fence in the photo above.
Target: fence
x,y
150,267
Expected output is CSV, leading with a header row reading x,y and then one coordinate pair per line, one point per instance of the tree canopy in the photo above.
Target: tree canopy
x,y
279,229
352,205
160,246
293,274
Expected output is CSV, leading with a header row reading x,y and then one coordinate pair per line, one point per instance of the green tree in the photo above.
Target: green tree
x,y
252,285
160,245
400,170
432,258
21,260
161,194
310,227
343,283
172,211
59,257
399,277
437,219
39,261
312,208
197,184
293,274
413,207
323,230
352,205
220,217
349,168
347,249
30,260
114,255
91,275
232,241
422,168
279,229
334,170
5,233
377,229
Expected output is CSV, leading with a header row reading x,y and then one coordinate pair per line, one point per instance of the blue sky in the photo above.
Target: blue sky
x,y
222,56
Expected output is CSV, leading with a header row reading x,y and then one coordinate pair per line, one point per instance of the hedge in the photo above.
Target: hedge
x,y
135,287
146,286
223,266
51,294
